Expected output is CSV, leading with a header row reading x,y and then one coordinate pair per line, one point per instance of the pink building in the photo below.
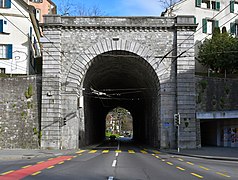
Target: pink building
x,y
43,7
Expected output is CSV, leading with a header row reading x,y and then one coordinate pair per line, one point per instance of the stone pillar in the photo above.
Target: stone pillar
x,y
51,85
186,97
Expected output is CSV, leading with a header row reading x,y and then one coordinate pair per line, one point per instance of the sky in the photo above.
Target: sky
x,y
122,7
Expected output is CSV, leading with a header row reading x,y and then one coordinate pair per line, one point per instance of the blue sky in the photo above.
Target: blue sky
x,y
122,7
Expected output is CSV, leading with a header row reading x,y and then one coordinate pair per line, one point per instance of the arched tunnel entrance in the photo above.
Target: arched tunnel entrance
x,y
121,78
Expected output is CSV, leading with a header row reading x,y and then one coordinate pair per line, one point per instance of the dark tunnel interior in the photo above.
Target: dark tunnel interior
x,y
120,78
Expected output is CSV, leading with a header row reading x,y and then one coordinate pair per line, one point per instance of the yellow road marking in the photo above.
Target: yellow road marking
x,y
153,154
162,160
26,166
8,172
221,174
92,151
182,169
131,151
157,157
61,162
81,151
69,159
34,174
50,167
190,163
194,174
40,162
180,159
50,158
118,151
169,163
144,152
202,167
105,151
156,152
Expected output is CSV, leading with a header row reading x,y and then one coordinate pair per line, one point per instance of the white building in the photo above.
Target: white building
x,y
19,38
208,14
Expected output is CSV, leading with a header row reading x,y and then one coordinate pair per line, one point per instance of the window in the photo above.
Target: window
x,y
208,4
5,3
2,70
234,28
5,51
233,7
3,26
209,25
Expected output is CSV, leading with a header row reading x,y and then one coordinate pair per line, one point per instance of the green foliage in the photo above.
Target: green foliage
x,y
29,91
203,85
219,53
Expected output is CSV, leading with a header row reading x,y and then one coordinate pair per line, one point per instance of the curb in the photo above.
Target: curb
x,y
204,157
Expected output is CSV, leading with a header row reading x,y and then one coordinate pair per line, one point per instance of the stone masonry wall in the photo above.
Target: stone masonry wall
x,y
216,94
19,112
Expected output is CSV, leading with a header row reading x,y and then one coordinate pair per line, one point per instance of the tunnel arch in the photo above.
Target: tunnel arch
x,y
121,78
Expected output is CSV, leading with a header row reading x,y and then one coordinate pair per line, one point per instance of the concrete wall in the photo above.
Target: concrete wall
x,y
20,112
216,94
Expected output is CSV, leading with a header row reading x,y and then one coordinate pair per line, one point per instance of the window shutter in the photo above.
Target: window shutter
x,y
9,51
218,5
1,25
232,28
232,4
204,25
195,20
216,23
198,3
8,3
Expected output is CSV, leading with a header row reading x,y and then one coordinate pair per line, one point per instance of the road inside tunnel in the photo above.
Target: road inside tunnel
x,y
122,79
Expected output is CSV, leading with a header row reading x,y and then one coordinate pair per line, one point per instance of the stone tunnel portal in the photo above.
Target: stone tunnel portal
x,y
121,78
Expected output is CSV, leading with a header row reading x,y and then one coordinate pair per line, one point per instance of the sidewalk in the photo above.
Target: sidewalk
x,y
216,153
17,154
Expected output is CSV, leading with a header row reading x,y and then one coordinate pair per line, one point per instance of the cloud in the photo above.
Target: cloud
x,y
141,7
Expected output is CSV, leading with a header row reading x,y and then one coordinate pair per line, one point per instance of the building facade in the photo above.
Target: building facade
x,y
43,7
208,15
19,34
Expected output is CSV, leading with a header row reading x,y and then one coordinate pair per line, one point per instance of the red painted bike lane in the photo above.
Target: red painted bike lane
x,y
21,173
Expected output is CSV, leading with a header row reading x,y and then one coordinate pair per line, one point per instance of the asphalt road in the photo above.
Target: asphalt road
x,y
123,162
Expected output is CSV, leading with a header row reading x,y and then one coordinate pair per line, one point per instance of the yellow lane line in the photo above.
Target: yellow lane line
x,y
157,157
190,163
169,163
69,159
26,166
92,151
202,167
131,151
156,152
40,162
50,158
118,151
221,174
180,159
34,174
194,174
61,162
182,169
8,172
105,151
50,167
144,152
81,151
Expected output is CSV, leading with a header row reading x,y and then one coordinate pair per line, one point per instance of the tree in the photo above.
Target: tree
x,y
69,8
169,5
219,53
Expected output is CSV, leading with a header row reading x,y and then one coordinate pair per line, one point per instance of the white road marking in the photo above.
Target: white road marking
x,y
117,154
114,163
